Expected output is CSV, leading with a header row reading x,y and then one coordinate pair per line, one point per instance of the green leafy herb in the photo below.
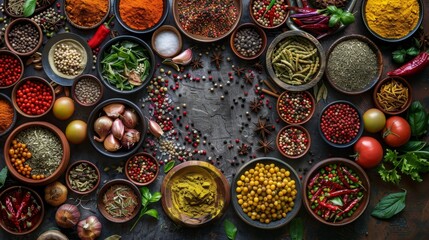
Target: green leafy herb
x,y
418,119
147,198
337,201
3,176
230,229
390,205
29,7
113,237
399,56
296,229
169,166
338,15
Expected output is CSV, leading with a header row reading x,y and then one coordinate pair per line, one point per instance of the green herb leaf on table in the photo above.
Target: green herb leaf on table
x,y
152,213
29,7
347,18
230,229
413,51
296,229
168,166
399,56
390,205
156,196
147,198
3,176
418,119
413,146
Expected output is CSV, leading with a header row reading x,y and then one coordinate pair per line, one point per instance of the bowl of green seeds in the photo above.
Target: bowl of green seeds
x,y
295,61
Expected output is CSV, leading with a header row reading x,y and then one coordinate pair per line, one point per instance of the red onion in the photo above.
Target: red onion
x,y
102,127
131,137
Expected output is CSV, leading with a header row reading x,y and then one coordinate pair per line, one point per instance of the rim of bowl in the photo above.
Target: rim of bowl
x,y
74,165
313,108
42,210
356,169
126,38
383,81
61,167
225,188
314,41
92,77
90,27
300,128
99,146
106,187
32,78
297,201
167,28
258,30
392,40
18,21
7,99
372,46
9,52
204,39
166,5
354,140
148,156
288,3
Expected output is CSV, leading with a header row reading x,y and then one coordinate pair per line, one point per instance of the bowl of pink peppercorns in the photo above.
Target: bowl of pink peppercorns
x,y
142,169
293,141
340,124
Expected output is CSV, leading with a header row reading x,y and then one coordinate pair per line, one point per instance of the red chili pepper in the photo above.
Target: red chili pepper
x,y
304,3
10,209
345,198
342,192
101,34
317,26
301,10
313,180
326,215
332,185
350,206
351,177
342,178
18,197
316,194
414,66
330,206
298,22
24,203
6,215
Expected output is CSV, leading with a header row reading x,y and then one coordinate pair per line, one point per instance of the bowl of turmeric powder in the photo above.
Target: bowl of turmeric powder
x,y
392,20
86,14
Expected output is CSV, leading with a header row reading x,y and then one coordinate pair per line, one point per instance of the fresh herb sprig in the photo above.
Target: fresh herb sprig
x,y
418,119
390,205
29,7
147,198
230,229
296,229
338,15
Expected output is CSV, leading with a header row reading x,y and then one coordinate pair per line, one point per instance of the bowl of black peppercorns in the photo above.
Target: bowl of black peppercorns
x,y
23,37
248,41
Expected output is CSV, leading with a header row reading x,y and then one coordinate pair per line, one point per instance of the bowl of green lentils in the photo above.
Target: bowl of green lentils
x,y
87,90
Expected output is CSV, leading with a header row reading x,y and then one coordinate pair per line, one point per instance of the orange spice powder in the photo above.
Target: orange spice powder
x,y
141,14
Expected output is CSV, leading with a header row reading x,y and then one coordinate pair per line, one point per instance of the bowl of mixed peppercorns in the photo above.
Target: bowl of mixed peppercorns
x,y
295,107
141,169
248,41
293,141
336,191
23,37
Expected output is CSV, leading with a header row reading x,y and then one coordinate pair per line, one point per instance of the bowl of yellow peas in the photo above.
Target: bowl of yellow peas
x,y
266,193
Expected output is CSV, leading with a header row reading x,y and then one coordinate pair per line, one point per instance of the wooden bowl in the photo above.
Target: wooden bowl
x,y
360,173
105,188
377,53
287,3
10,53
102,20
19,84
221,200
377,88
19,21
94,79
199,38
60,169
73,165
166,28
34,195
317,76
391,40
289,215
98,112
36,11
308,143
166,8
261,34
7,99
280,105
151,159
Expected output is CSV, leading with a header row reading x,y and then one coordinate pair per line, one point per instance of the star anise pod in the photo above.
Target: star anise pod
x,y
258,67
244,149
248,78
256,105
217,59
262,128
265,146
238,70
197,63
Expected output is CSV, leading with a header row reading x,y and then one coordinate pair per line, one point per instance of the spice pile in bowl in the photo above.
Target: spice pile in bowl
x,y
87,90
83,177
11,69
68,58
119,201
7,114
248,41
138,16
141,169
293,141
23,36
295,107
269,14
86,13
392,95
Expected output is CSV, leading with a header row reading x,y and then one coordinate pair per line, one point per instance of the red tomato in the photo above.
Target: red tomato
x,y
368,152
397,131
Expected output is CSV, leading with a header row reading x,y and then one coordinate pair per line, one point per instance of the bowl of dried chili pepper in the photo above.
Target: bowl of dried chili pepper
x,y
336,191
392,95
22,210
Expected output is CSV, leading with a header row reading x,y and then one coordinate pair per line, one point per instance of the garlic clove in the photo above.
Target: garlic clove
x,y
155,129
183,58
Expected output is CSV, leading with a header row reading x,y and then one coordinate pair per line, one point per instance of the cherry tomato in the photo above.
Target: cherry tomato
x,y
76,131
374,120
397,131
368,152
63,108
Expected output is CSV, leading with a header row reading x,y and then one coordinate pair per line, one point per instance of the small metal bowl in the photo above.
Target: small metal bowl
x,y
92,78
404,83
166,28
261,34
73,165
14,55
9,101
19,21
152,159
308,144
87,27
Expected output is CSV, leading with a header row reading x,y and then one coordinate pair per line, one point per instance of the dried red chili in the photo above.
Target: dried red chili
x,y
416,65
101,34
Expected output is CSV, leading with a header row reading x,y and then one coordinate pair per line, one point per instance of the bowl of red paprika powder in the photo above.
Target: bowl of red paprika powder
x,y
86,14
11,69
142,16
7,114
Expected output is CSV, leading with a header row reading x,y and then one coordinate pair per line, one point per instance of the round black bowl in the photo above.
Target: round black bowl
x,y
107,46
98,112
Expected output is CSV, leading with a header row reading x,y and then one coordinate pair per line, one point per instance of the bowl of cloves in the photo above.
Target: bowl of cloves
x,y
82,177
117,128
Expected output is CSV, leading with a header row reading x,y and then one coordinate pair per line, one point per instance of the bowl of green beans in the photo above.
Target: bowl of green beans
x,y
295,60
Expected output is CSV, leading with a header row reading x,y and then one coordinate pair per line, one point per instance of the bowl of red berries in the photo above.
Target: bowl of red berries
x,y
11,69
33,97
141,169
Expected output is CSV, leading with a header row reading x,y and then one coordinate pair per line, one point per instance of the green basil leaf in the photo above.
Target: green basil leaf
x,y
29,7
230,229
413,146
155,197
152,213
337,201
347,18
413,51
390,205
332,9
168,166
296,229
145,193
333,20
418,119
398,58
3,176
113,237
